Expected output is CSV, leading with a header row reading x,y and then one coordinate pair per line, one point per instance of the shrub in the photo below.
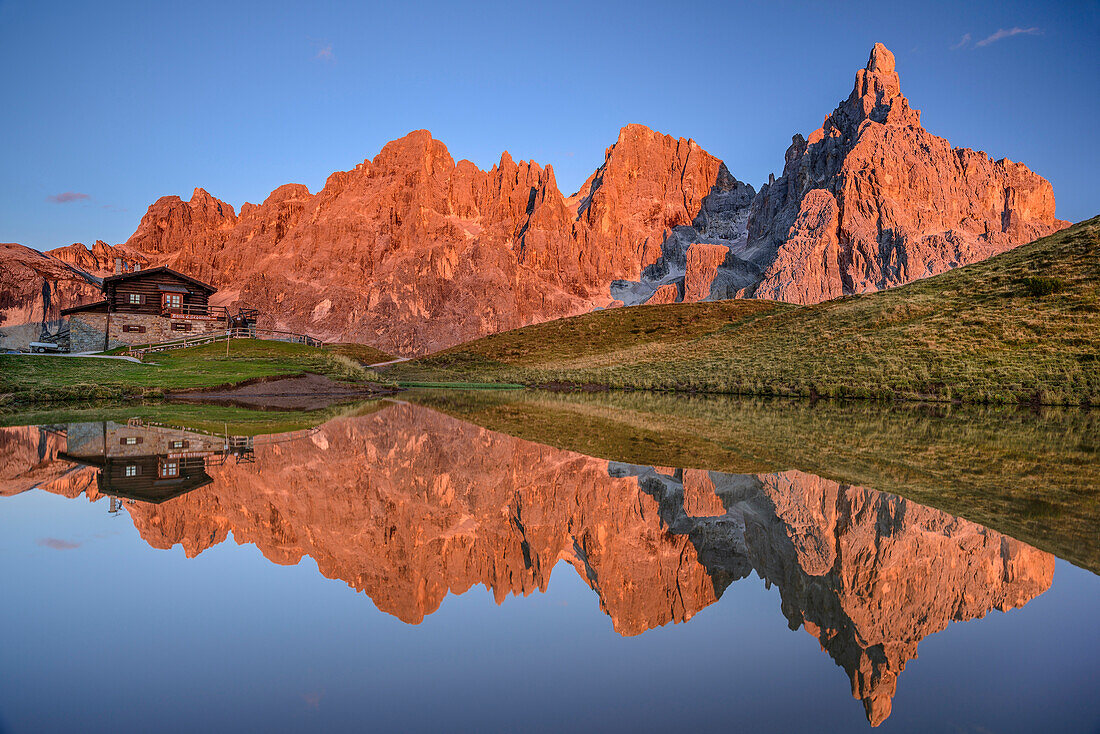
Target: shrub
x,y
345,368
1042,285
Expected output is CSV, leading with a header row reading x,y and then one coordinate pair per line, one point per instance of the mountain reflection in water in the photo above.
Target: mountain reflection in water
x,y
408,505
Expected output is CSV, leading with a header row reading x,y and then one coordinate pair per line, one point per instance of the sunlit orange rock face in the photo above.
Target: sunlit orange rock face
x,y
872,200
33,290
668,293
409,505
29,459
102,259
412,251
648,184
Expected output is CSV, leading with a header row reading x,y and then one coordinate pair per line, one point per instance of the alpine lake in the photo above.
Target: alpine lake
x,y
519,560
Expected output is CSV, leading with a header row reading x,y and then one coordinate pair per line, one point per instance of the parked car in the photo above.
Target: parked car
x,y
43,347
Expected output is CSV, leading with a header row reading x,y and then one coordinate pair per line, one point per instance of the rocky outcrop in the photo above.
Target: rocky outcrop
x,y
33,290
429,252
719,229
101,260
872,200
667,293
649,185
184,235
703,262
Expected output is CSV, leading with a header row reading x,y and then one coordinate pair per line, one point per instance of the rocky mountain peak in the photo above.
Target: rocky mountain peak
x,y
417,150
871,200
881,59
877,94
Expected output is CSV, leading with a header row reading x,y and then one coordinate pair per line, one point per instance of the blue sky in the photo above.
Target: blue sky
x,y
109,105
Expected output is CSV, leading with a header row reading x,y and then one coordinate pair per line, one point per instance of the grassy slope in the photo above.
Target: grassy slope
x,y
361,353
1033,474
46,379
982,333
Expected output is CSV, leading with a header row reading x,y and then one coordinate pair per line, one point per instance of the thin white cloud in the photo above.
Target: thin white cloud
x,y
1003,33
962,42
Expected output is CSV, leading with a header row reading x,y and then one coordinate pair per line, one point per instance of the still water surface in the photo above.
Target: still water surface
x,y
398,568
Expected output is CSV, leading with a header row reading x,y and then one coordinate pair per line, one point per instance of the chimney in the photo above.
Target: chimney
x,y
118,265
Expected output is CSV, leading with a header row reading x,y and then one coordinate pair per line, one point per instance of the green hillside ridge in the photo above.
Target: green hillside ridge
x,y
1029,472
1023,326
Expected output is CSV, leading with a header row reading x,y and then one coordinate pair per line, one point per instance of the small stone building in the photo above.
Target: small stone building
x,y
142,307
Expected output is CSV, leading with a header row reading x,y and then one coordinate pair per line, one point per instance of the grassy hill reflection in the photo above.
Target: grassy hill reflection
x,y
1031,474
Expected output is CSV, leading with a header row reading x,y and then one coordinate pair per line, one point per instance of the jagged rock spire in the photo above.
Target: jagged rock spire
x,y
881,59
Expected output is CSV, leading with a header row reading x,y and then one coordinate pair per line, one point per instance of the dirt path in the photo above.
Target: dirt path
x,y
82,355
392,361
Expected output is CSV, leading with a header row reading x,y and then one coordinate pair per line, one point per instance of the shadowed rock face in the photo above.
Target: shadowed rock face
x,y
408,505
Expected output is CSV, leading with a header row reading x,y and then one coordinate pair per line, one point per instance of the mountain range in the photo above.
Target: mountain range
x,y
413,252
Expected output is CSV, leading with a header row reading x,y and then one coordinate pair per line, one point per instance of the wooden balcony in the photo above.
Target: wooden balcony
x,y
196,311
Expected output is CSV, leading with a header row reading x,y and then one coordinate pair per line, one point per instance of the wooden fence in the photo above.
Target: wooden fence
x,y
139,350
